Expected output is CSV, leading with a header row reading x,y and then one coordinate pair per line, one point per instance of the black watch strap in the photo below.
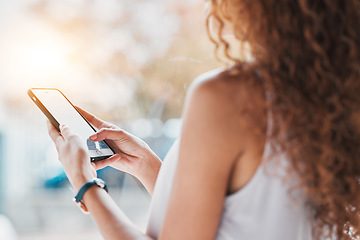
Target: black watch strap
x,y
79,196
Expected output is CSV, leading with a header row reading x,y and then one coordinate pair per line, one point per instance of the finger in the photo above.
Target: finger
x,y
97,122
106,162
107,133
65,131
54,134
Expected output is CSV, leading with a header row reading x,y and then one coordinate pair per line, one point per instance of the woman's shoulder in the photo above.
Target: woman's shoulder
x,y
228,88
233,102
235,98
224,119
211,80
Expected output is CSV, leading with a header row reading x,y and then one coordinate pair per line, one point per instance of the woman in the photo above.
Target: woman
x,y
268,148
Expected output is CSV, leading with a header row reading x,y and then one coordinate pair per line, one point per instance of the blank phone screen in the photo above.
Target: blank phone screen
x,y
64,113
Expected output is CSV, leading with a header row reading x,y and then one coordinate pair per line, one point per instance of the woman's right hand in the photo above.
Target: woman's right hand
x,y
132,154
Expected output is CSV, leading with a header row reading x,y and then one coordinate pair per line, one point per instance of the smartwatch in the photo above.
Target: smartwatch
x,y
79,196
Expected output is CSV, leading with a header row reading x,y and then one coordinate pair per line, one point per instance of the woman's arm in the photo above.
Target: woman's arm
x,y
212,139
112,222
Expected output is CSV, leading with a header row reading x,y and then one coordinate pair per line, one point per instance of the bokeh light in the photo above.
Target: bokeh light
x,y
129,62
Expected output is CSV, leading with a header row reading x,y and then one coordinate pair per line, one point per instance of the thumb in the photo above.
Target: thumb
x,y
65,131
106,162
108,133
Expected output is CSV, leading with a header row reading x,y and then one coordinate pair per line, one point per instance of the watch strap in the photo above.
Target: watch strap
x,y
79,196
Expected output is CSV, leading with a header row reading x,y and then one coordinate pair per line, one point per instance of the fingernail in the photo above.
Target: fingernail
x,y
93,137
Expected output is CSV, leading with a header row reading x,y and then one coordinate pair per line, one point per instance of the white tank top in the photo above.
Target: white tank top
x,y
262,209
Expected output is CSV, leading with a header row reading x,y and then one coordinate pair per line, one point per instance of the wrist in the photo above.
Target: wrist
x,y
153,164
149,171
85,188
80,173
79,180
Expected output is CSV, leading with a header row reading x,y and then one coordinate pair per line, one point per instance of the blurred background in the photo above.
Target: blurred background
x,y
129,62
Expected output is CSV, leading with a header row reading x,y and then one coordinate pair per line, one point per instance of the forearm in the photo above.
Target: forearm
x,y
74,157
111,221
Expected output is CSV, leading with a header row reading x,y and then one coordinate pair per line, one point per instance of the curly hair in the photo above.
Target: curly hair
x,y
307,54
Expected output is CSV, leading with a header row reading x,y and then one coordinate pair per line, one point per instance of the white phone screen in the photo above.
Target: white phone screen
x,y
64,113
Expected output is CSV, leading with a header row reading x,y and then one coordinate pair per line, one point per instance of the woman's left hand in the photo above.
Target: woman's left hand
x,y
72,155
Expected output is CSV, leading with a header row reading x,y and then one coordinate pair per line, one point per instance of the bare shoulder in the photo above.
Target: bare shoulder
x,y
233,104
223,84
213,138
238,96
226,113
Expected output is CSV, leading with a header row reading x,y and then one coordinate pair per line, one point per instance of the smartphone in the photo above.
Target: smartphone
x,y
59,110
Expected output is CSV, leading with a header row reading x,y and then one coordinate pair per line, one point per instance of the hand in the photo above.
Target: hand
x,y
132,154
73,155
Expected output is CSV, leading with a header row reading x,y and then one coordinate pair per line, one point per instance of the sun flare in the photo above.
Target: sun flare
x,y
46,56
36,58
40,58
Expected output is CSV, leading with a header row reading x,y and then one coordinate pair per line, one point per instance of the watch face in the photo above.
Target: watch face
x,y
99,182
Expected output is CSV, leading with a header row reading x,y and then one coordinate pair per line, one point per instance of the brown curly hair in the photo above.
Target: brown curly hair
x,y
307,54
